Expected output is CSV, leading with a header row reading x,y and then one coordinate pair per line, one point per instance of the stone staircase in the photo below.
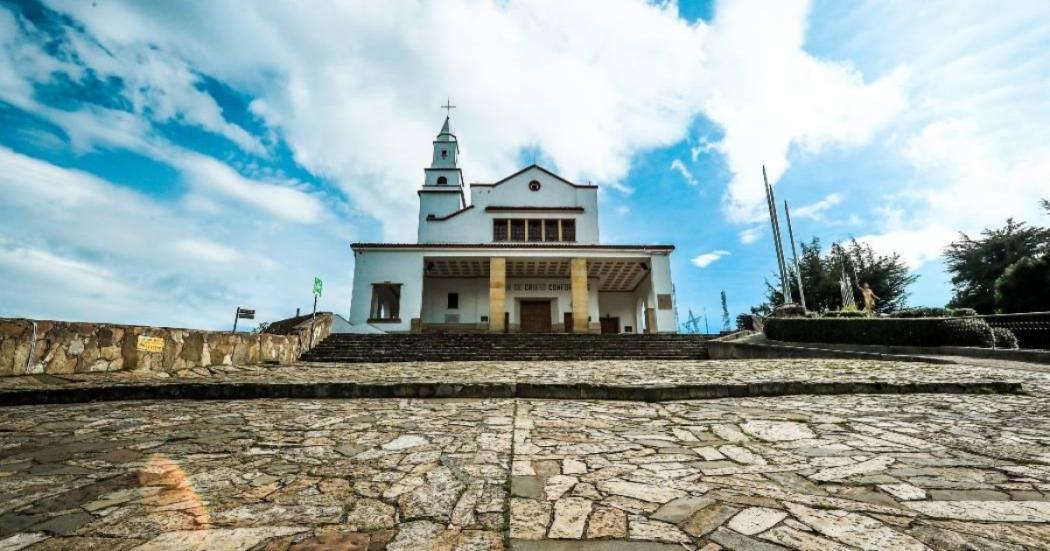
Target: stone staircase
x,y
350,348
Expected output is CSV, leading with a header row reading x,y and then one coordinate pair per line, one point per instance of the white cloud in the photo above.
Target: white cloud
x,y
705,146
73,246
680,167
353,90
161,88
815,211
207,251
975,144
751,235
205,173
769,94
706,259
969,186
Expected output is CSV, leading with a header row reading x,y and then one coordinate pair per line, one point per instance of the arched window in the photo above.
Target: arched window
x,y
442,180
444,153
534,186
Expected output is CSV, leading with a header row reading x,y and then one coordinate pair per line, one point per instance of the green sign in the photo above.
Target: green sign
x,y
318,285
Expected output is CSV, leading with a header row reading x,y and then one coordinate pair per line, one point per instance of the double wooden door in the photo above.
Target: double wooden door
x,y
536,316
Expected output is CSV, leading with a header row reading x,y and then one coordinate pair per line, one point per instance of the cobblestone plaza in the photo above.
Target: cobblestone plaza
x,y
847,471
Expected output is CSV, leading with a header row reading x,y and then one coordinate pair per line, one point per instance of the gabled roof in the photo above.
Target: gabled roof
x,y
536,166
434,217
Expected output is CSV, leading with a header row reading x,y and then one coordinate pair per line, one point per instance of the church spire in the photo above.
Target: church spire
x,y
443,172
446,146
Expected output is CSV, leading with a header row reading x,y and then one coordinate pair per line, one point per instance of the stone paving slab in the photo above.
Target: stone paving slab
x,y
633,380
807,472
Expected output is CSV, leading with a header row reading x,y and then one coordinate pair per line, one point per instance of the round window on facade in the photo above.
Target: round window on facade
x,y
442,180
534,186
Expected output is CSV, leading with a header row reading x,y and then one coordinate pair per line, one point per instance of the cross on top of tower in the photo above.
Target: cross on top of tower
x,y
448,107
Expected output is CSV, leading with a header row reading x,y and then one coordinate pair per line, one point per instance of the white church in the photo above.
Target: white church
x,y
522,254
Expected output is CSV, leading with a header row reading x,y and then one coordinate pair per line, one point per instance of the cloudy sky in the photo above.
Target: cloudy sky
x,y
163,162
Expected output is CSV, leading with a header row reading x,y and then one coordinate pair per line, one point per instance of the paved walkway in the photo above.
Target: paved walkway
x,y
800,472
611,372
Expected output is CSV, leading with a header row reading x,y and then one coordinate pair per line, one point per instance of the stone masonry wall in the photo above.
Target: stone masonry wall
x,y
69,347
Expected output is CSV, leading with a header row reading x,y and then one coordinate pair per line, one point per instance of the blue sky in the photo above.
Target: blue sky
x,y
163,162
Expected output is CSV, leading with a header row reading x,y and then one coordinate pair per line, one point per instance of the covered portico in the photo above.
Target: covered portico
x,y
538,289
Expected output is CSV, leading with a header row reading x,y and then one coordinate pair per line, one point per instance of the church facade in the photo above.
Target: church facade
x,y
522,254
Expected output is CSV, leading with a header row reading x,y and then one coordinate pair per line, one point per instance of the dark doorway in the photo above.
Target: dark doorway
x,y
568,322
610,325
536,316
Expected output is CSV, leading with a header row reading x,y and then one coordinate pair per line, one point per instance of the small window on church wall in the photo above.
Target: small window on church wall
x,y
568,230
517,230
550,230
535,230
444,153
499,230
442,180
386,302
453,301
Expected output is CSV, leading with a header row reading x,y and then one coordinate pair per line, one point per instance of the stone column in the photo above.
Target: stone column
x,y
650,320
578,281
497,293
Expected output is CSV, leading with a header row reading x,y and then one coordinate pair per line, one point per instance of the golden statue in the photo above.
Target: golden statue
x,y
869,298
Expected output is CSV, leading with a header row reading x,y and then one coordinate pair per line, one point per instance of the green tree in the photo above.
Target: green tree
x,y
1024,286
976,264
725,312
821,272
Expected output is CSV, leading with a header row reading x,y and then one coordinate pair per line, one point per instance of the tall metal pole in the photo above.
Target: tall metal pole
x,y
778,244
236,315
794,254
780,247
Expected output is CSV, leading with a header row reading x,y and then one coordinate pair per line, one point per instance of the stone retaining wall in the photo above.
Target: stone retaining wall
x,y
56,347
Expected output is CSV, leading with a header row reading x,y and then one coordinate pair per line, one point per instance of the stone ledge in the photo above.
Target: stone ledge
x,y
476,390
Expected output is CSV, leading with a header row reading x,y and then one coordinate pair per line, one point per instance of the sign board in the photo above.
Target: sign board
x,y
318,285
245,313
519,285
152,345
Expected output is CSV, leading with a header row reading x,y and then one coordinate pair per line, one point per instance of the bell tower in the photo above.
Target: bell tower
x,y
444,167
442,193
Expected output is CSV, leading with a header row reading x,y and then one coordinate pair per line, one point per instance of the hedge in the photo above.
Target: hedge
x,y
883,331
925,312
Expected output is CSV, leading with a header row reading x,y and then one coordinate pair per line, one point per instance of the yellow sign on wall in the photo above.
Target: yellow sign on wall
x,y
150,344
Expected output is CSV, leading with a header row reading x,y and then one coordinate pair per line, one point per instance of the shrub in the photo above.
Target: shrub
x,y
923,312
928,312
968,332
789,311
845,314
883,331
1004,338
900,332
745,322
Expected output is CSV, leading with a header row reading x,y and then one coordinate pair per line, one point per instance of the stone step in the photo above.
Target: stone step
x,y
346,348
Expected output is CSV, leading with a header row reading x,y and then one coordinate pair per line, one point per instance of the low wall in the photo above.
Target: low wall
x,y
57,347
